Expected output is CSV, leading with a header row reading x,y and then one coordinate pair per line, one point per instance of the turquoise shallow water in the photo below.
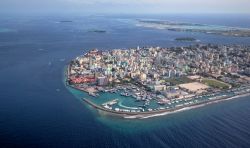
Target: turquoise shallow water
x,y
121,124
130,103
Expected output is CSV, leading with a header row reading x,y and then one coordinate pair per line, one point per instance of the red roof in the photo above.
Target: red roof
x,y
82,79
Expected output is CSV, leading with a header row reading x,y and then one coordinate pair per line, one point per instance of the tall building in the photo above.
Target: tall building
x,y
102,81
143,77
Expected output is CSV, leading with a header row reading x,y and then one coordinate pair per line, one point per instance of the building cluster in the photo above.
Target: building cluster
x,y
150,66
174,77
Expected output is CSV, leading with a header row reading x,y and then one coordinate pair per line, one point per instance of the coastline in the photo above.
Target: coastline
x,y
144,115
191,91
151,114
195,106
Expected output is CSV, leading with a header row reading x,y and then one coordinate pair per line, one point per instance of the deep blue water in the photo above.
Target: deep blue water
x,y
36,110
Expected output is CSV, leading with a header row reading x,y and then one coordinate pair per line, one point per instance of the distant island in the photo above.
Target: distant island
x,y
97,31
186,39
152,81
193,27
65,21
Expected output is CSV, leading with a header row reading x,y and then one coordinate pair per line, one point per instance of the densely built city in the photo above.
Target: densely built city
x,y
157,79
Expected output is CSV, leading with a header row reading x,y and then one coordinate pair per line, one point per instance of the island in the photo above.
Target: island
x,y
97,31
186,39
152,81
194,27
65,21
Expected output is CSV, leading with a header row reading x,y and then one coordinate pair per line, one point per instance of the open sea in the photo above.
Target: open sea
x,y
37,110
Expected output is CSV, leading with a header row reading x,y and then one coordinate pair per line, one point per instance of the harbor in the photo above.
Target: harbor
x,y
147,94
164,111
128,106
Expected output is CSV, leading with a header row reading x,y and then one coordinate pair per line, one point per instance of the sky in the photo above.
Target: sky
x,y
125,6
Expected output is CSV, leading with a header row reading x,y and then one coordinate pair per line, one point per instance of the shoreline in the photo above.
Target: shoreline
x,y
144,115
151,114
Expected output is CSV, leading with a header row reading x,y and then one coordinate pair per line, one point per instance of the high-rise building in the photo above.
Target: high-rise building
x,y
102,81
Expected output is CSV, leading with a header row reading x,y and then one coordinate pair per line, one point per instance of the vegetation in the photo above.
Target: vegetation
x,y
215,83
177,81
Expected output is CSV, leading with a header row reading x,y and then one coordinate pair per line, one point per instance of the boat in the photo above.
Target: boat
x,y
161,103
113,91
142,106
127,94
93,94
122,94
146,103
149,109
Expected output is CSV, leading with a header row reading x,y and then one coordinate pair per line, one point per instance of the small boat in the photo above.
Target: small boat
x,y
142,106
146,103
134,96
113,91
122,94
161,103
93,94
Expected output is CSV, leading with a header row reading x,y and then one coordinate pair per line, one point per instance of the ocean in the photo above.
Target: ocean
x,y
37,110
